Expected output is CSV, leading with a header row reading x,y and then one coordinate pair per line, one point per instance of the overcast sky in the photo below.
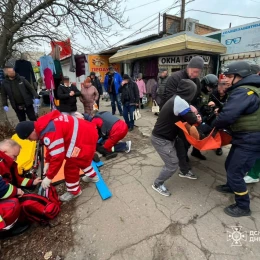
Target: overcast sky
x,y
149,13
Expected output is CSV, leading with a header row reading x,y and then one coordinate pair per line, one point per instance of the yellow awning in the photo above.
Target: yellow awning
x,y
185,42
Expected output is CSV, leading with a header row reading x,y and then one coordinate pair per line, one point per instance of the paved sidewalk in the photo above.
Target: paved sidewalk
x,y
139,223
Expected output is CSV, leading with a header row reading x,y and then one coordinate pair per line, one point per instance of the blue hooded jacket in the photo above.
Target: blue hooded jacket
x,y
117,81
240,103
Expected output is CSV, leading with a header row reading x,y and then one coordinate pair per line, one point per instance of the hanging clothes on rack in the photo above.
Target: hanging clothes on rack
x,y
58,75
46,61
151,68
72,63
47,69
80,61
24,68
48,79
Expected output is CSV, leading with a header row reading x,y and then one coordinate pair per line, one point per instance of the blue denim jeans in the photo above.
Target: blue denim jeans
x,y
120,147
129,109
115,99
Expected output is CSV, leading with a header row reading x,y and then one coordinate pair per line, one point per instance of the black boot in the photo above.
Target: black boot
x,y
224,189
101,149
219,152
109,156
105,153
16,230
236,212
96,158
196,153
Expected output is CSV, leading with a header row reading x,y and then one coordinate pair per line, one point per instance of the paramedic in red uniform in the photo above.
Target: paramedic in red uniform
x,y
10,181
111,129
65,138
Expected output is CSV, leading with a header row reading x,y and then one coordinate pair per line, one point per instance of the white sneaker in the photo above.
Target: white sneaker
x,y
67,196
88,179
249,179
128,146
161,189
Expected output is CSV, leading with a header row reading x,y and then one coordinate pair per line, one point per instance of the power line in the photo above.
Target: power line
x,y
236,15
141,5
102,18
138,31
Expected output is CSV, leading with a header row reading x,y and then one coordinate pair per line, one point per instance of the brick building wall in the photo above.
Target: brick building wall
x,y
204,29
171,25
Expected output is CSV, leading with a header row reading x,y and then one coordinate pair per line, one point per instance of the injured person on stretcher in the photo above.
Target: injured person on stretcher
x,y
200,130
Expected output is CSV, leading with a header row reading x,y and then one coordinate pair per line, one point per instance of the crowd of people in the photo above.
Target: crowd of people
x,y
230,101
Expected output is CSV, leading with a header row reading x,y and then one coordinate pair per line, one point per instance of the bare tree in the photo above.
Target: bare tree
x,y
27,22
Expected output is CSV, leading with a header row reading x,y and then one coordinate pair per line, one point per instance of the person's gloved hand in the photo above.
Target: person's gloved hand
x,y
46,183
37,101
6,108
46,167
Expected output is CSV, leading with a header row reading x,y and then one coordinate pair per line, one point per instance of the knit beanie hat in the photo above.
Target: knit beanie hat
x,y
126,76
196,62
24,129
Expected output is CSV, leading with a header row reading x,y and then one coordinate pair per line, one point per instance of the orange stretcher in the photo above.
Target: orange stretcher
x,y
213,141
60,175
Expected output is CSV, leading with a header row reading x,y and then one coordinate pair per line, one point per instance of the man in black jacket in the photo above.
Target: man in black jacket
x,y
97,84
20,94
67,94
192,72
130,99
162,80
165,131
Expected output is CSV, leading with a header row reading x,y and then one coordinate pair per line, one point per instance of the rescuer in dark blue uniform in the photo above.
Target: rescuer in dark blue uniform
x,y
241,114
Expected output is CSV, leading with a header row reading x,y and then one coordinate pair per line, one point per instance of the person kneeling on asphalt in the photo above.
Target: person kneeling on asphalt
x,y
65,138
10,190
165,131
111,129
242,114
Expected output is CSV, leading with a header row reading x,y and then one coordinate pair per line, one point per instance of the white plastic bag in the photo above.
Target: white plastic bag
x,y
155,107
137,114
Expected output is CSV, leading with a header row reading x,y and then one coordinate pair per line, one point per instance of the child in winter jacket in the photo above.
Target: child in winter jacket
x,y
89,95
141,87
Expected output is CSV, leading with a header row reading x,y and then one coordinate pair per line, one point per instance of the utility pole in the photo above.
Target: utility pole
x,y
159,24
182,15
